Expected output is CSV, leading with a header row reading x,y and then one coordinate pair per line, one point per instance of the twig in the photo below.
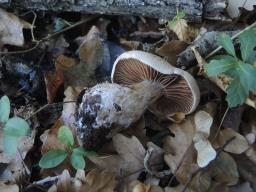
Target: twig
x,y
200,169
49,36
46,180
233,37
179,165
221,122
47,105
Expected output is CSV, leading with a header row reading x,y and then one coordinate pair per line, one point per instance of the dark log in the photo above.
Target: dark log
x,y
165,9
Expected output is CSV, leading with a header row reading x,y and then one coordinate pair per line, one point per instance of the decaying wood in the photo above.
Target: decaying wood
x,y
195,10
204,45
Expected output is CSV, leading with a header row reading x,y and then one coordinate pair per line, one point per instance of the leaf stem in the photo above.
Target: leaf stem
x,y
233,37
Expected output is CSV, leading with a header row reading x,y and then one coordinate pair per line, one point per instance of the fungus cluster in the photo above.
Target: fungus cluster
x,y
140,80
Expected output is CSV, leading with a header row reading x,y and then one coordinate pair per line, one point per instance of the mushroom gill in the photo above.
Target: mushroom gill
x,y
177,94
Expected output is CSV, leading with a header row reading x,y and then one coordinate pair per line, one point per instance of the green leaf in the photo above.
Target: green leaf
x,y
247,44
77,161
4,109
60,24
16,127
215,67
65,136
10,144
225,41
236,94
53,158
173,22
81,151
248,76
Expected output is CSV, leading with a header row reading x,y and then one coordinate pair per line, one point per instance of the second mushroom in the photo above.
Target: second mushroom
x,y
146,81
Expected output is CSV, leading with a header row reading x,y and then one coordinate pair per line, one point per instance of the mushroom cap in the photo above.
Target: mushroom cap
x,y
181,92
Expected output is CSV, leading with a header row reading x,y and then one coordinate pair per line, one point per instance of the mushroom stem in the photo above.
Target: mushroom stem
x,y
109,106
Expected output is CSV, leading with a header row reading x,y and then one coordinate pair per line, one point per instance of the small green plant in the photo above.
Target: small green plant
x,y
242,70
180,15
12,128
56,156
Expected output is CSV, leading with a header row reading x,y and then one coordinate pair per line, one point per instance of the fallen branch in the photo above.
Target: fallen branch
x,y
195,10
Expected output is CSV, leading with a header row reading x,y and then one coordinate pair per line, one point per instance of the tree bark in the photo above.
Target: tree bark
x,y
164,9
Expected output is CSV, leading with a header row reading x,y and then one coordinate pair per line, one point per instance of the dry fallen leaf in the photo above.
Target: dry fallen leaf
x,y
53,83
181,29
130,156
11,29
82,73
15,167
243,187
8,187
99,181
238,145
177,146
171,50
224,169
141,187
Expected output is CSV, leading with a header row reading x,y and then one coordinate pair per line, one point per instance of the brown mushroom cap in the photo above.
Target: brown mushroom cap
x,y
181,92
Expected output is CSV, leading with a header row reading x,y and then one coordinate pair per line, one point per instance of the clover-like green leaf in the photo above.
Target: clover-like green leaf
x,y
77,160
225,41
65,136
215,67
9,144
247,44
53,158
236,94
4,109
16,127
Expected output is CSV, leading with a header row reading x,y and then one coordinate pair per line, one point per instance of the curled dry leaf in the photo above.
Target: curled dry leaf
x,y
130,156
50,138
181,29
238,145
69,109
64,182
94,181
53,83
205,151
203,122
11,29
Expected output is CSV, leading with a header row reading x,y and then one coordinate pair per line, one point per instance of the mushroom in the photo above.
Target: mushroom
x,y
181,92
147,80
109,106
